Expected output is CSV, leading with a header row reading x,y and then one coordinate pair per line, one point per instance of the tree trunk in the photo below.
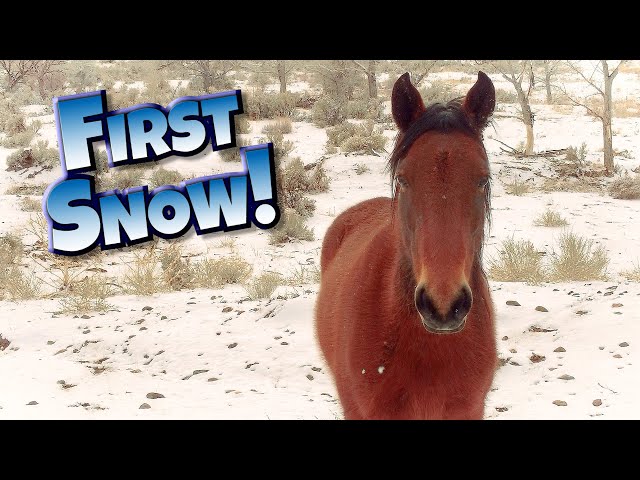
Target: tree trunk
x,y
282,75
547,81
607,135
206,82
528,148
527,118
371,77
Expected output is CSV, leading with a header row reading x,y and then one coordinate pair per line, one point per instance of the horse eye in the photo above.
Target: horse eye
x,y
402,182
483,183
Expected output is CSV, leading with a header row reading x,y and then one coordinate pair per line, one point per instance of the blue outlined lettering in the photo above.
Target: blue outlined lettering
x,y
80,218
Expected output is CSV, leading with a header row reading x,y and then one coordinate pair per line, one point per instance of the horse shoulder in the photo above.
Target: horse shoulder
x,y
364,215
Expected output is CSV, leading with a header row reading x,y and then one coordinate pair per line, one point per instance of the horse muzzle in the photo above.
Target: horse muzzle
x,y
451,322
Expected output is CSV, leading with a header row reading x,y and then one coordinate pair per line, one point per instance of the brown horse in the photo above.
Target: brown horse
x,y
404,315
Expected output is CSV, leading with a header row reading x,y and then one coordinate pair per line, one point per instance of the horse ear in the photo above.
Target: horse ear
x,y
480,101
406,102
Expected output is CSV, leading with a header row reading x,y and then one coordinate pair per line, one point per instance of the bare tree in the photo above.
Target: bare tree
x,y
46,77
370,71
550,68
338,78
277,69
212,73
419,70
519,73
599,77
17,71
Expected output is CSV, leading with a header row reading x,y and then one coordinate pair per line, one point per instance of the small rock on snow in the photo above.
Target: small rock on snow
x,y
154,395
560,350
560,403
540,308
624,344
535,358
597,402
309,376
513,303
145,309
144,406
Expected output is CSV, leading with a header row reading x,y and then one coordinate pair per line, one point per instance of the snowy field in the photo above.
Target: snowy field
x,y
216,354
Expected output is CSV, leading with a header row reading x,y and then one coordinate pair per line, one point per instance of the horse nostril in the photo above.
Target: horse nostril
x,y
424,305
460,308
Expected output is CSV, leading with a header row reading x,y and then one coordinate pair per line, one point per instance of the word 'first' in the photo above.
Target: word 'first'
x,y
144,132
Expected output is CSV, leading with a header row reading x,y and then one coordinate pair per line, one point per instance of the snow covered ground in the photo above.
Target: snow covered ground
x,y
215,354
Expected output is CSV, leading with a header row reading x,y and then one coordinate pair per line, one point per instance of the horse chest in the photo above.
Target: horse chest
x,y
401,384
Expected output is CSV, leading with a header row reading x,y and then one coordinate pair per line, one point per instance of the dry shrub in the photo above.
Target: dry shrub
x,y
281,147
626,187
12,120
633,274
22,136
562,108
517,261
263,285
292,226
550,218
215,273
13,282
162,176
505,96
294,182
578,260
364,108
87,295
26,189
304,275
177,273
11,250
124,97
327,112
144,276
581,185
269,105
40,155
227,242
37,226
30,205
242,124
361,168
517,188
357,138
439,91
121,178
18,285
280,125
627,108
233,154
